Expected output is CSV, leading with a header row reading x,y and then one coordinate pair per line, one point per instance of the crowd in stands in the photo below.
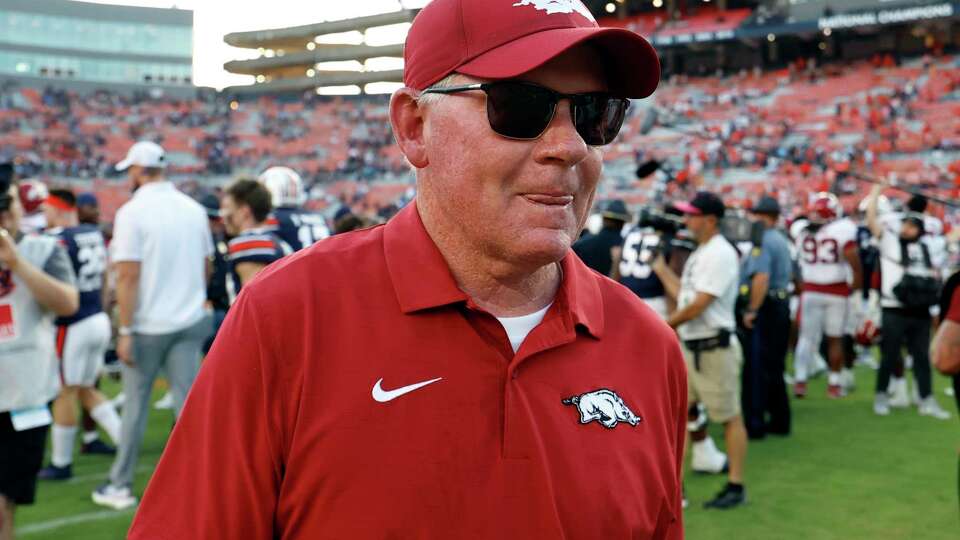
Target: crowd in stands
x,y
799,129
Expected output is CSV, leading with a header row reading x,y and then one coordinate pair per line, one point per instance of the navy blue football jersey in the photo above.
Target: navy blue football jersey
x,y
640,246
88,255
254,246
298,228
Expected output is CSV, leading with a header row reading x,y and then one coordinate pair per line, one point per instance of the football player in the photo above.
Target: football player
x,y
244,208
82,339
297,227
827,253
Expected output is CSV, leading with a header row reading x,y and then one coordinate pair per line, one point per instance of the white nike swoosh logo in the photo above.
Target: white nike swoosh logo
x,y
383,396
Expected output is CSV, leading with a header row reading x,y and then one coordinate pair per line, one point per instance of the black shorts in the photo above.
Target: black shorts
x,y
21,456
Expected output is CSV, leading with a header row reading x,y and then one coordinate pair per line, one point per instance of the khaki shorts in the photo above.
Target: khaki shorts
x,y
717,384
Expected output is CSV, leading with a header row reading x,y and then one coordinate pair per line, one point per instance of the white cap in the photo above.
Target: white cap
x,y
144,154
285,186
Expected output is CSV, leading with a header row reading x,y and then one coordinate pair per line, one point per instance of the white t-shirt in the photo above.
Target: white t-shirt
x,y
891,268
712,268
518,328
167,232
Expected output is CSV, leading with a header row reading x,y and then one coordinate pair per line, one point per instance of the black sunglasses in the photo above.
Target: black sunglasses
x,y
522,110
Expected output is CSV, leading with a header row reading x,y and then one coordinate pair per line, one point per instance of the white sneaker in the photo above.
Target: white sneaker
x,y
914,395
819,367
881,405
930,407
706,458
165,403
948,391
118,498
848,381
899,396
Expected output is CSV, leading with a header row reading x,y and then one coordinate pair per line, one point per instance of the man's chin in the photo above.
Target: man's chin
x,y
543,249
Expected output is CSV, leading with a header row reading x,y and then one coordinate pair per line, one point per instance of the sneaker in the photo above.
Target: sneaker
x,y
915,395
930,407
881,405
165,403
98,447
848,381
111,496
899,396
819,367
948,391
728,498
800,389
52,472
685,503
706,458
835,391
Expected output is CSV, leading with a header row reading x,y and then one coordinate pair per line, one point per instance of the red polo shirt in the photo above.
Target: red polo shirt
x,y
579,435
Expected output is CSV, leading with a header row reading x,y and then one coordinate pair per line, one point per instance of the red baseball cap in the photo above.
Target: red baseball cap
x,y
501,39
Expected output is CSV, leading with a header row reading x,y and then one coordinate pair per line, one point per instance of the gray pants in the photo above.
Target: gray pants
x,y
179,355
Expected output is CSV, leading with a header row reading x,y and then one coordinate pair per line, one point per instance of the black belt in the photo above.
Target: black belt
x,y
778,294
697,346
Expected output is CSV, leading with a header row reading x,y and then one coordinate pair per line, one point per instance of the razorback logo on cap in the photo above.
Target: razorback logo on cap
x,y
558,6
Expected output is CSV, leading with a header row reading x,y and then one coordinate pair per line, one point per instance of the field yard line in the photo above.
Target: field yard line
x,y
105,475
71,520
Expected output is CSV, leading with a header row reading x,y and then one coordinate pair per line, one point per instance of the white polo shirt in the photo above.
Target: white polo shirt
x,y
167,233
713,268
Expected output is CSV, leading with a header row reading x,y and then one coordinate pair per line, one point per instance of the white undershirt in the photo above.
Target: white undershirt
x,y
518,328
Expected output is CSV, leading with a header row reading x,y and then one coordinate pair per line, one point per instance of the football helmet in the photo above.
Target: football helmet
x,y
32,195
825,208
285,186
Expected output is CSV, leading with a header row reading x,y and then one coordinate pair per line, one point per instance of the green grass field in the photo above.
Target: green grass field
x,y
843,474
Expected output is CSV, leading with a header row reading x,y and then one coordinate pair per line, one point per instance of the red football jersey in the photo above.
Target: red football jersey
x,y
380,402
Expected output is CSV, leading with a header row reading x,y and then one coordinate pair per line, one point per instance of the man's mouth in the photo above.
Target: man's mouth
x,y
549,199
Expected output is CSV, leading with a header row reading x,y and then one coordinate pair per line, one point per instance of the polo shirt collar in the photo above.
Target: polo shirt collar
x,y
422,279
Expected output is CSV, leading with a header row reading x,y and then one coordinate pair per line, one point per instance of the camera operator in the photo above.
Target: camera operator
x,y
910,286
36,284
706,294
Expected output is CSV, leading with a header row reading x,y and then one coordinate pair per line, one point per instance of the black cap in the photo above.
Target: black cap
x,y
211,204
704,203
766,205
617,209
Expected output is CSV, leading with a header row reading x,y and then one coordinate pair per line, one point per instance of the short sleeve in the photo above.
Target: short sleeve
x,y
58,265
259,249
953,311
722,270
127,245
762,263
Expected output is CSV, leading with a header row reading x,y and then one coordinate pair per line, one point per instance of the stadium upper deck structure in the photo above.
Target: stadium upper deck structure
x,y
692,37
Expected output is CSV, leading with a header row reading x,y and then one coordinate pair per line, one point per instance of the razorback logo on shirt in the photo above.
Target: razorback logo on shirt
x,y
604,406
8,326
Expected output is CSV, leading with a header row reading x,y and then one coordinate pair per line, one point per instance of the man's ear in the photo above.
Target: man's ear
x,y
407,119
